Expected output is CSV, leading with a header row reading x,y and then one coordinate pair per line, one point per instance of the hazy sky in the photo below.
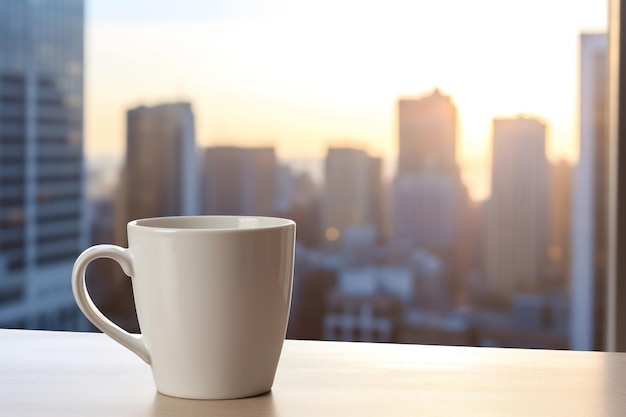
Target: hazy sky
x,y
301,75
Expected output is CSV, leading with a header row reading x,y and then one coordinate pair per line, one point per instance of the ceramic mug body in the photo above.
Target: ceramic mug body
x,y
212,295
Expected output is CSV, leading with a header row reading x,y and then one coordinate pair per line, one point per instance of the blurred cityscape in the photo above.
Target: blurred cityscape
x,y
406,258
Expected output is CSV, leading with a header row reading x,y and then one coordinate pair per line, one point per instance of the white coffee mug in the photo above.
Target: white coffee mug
x,y
212,295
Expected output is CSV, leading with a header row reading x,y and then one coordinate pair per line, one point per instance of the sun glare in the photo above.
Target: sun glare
x,y
300,79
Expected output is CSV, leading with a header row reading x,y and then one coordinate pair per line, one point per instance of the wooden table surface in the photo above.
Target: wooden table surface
x,y
86,374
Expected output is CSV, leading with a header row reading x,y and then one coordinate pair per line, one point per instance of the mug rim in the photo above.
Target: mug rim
x,y
183,223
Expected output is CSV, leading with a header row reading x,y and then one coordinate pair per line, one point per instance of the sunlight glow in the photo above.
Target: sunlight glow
x,y
299,78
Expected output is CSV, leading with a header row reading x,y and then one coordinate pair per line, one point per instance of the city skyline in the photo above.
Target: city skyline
x,y
251,85
403,256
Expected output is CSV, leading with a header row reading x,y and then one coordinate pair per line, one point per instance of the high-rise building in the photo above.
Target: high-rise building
x,y
560,219
239,181
430,205
517,212
590,202
352,181
427,135
43,224
427,192
161,172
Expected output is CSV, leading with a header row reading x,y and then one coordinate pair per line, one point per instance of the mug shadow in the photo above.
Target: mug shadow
x,y
259,406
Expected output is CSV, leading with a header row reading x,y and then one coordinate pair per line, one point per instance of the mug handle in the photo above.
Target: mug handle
x,y
131,341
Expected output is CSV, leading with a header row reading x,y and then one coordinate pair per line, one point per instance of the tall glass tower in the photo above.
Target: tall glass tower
x,y
43,223
517,216
161,162
590,202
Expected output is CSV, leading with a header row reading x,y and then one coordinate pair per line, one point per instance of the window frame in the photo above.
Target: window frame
x,y
616,288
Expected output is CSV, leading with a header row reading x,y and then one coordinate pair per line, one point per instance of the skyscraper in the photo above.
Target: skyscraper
x,y
428,197
239,181
352,183
560,218
161,171
43,223
517,211
427,135
590,202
